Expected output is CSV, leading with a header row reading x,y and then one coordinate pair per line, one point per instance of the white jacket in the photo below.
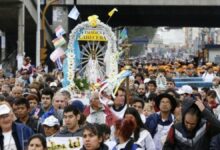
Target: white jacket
x,y
145,140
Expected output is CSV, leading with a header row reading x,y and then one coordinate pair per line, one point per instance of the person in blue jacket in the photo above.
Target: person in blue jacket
x,y
159,123
12,135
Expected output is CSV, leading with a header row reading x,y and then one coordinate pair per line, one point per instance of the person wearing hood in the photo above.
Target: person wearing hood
x,y
195,131
160,122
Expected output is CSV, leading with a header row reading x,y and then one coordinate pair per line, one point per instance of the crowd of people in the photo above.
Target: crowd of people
x,y
35,108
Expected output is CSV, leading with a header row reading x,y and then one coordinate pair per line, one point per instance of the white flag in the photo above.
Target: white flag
x,y
57,53
59,31
74,13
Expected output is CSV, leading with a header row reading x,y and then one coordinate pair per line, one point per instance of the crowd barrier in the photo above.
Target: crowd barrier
x,y
192,81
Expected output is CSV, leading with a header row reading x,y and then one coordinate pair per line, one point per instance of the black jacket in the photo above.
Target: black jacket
x,y
215,143
180,139
102,147
33,124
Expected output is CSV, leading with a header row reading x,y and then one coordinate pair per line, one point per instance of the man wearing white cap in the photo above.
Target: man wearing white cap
x,y
51,126
12,135
185,91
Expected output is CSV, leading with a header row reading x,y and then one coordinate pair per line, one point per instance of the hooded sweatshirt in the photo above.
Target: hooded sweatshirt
x,y
199,139
66,133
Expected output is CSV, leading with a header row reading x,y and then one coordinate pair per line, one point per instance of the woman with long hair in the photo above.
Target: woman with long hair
x,y
92,138
140,135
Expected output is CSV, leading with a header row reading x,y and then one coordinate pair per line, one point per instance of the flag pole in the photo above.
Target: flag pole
x,y
126,47
80,19
111,13
108,20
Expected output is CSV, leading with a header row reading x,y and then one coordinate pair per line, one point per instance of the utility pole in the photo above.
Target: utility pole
x,y
3,45
38,33
21,33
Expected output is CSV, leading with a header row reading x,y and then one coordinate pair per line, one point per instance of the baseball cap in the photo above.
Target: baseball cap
x,y
51,121
53,84
78,104
185,89
146,80
4,109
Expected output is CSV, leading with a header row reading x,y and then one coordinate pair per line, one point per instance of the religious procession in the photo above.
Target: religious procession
x,y
95,99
